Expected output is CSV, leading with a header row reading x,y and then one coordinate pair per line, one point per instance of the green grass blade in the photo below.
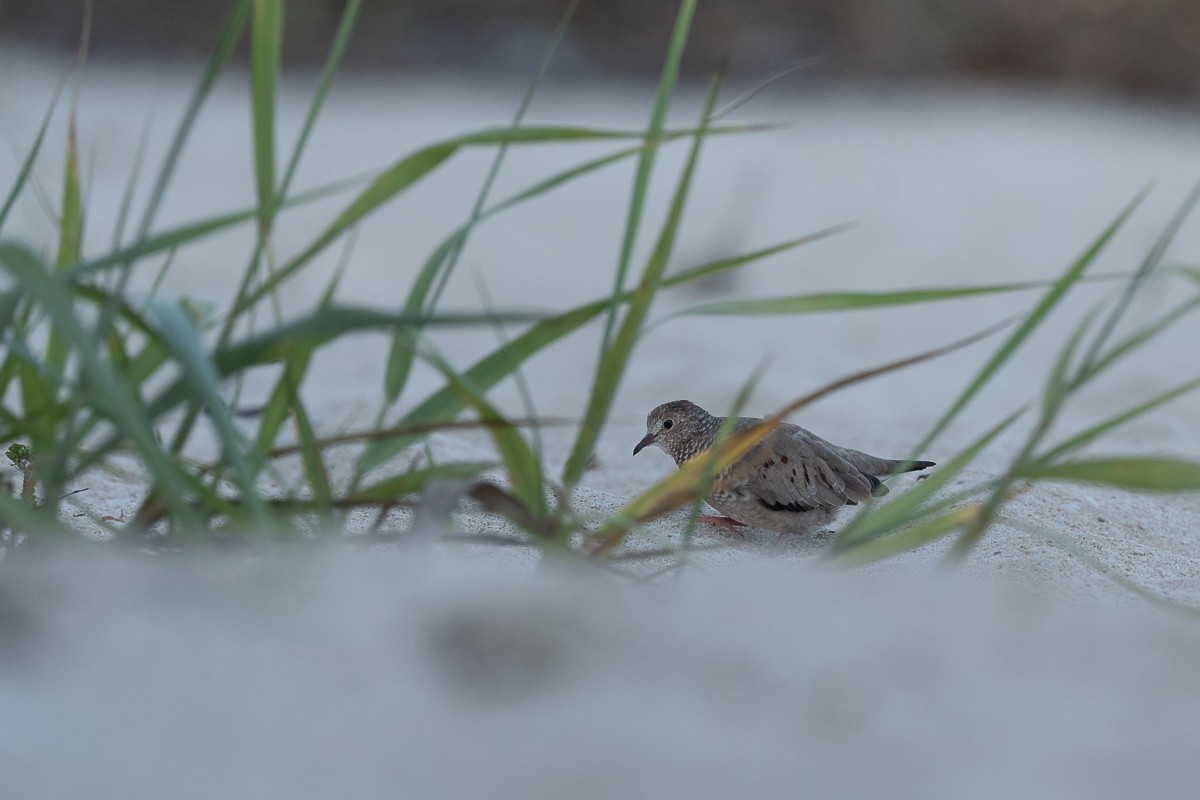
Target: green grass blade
x,y
70,240
614,357
341,38
230,35
1047,304
408,171
1149,264
1058,383
1134,472
266,35
645,167
1135,340
438,269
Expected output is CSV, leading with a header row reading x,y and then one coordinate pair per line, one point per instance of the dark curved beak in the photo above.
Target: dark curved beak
x,y
648,439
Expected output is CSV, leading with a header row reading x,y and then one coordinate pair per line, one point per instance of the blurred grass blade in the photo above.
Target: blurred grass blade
x,y
1059,382
1071,548
1134,473
877,519
284,396
108,394
842,301
174,238
390,489
70,239
1047,304
906,539
180,334
30,159
266,33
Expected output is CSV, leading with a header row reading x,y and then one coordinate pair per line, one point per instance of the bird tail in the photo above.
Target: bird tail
x,y
879,488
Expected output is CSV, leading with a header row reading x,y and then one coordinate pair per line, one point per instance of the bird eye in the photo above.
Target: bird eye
x,y
667,424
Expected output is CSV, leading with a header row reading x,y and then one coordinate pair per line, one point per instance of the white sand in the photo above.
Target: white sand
x,y
453,674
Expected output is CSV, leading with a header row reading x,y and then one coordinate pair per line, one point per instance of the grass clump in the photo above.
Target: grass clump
x,y
91,373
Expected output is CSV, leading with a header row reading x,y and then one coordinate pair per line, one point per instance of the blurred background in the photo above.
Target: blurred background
x,y
1147,46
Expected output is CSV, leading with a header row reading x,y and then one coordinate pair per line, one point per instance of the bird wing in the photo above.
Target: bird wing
x,y
794,469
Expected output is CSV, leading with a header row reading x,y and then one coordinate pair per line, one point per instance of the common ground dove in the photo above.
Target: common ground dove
x,y
792,481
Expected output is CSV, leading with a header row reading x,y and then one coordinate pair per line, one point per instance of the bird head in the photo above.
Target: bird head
x,y
680,429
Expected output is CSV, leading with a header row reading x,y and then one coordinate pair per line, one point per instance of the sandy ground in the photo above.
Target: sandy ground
x,y
450,672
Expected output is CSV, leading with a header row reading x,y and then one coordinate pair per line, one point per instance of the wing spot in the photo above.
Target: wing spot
x,y
784,459
799,508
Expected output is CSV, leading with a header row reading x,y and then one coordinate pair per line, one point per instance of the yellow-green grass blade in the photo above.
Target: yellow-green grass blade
x,y
615,355
400,359
1136,473
908,538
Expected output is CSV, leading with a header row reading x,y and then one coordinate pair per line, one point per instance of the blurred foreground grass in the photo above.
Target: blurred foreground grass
x,y
92,371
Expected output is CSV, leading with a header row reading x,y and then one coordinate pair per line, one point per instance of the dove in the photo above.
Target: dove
x,y
792,481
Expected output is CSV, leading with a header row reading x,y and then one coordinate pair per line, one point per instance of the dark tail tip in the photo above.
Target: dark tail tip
x,y
916,466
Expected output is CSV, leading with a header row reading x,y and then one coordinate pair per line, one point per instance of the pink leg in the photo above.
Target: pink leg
x,y
775,547
732,525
